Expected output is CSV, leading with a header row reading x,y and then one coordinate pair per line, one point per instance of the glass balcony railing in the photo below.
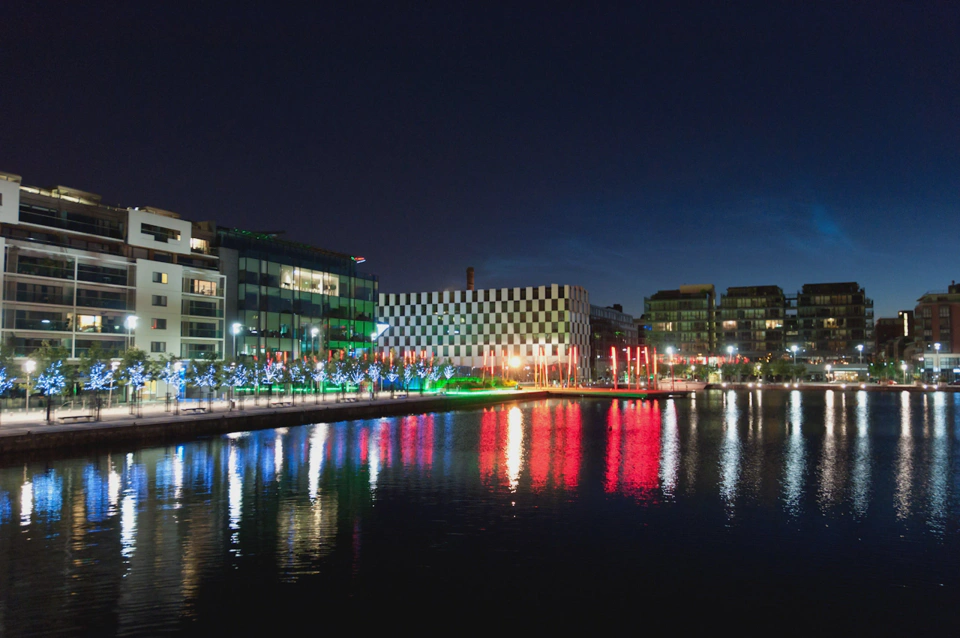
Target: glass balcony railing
x,y
42,324
56,298
91,301
199,333
73,222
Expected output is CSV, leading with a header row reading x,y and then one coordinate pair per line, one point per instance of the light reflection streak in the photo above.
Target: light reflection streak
x,y
373,453
277,456
514,449
691,456
669,450
234,497
829,488
861,464
939,465
26,503
318,439
178,478
904,479
128,513
113,489
730,453
795,460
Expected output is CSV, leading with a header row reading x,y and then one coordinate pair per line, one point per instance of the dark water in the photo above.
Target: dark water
x,y
790,512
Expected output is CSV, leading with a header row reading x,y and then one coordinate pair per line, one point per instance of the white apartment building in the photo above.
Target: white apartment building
x,y
470,327
78,273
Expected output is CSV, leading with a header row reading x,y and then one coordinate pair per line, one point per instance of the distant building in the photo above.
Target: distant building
x,y
684,319
610,328
293,300
752,320
78,274
937,321
471,327
833,319
892,335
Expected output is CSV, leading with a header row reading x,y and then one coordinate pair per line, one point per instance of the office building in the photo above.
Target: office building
x,y
79,273
292,300
473,327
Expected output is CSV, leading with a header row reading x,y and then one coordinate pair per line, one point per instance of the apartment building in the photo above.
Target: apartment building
x,y
683,319
752,321
79,273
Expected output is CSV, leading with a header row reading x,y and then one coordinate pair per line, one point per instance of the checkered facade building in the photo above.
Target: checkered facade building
x,y
465,325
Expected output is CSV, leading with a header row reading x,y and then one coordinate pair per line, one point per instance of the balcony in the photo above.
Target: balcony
x,y
53,298
203,333
42,324
72,222
101,300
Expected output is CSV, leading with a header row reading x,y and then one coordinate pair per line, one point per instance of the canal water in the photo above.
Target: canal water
x,y
786,511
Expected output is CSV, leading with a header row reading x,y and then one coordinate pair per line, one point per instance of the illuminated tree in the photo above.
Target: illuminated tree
x,y
99,377
339,376
422,370
392,375
205,379
137,377
170,375
50,382
374,371
409,370
357,374
297,377
272,373
237,377
319,375
5,385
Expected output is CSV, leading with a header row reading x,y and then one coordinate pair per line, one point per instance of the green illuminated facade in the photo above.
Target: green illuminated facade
x,y
294,300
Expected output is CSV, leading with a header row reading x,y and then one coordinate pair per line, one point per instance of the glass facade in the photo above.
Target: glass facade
x,y
297,300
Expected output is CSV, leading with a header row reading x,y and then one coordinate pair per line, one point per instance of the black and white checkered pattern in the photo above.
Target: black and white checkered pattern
x,y
463,325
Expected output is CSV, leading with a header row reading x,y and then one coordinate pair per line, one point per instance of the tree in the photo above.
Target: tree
x,y
297,377
137,376
237,377
99,377
50,382
170,375
374,372
357,374
206,378
5,384
392,375
319,375
339,376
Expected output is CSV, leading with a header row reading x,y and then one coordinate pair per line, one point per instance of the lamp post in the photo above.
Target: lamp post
x,y
131,323
313,337
28,366
936,364
235,329
860,353
673,379
828,372
903,366
794,349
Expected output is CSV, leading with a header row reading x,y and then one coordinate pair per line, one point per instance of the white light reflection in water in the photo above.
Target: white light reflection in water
x,y
318,439
904,480
730,453
794,462
178,478
829,488
113,488
373,453
690,457
128,515
861,464
277,456
234,497
669,449
514,452
26,502
939,465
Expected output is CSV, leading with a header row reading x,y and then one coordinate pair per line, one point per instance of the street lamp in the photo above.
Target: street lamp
x,y
828,372
794,349
730,350
235,329
903,366
673,379
29,366
131,323
313,337
860,352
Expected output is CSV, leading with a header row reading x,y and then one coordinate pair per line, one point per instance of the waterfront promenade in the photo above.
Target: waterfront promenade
x,y
157,423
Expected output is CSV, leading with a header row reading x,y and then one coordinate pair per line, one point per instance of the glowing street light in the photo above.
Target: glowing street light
x,y
828,372
794,349
313,338
936,363
903,366
131,323
113,366
860,352
29,366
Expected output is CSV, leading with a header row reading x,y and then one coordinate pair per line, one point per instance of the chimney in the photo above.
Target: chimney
x,y
470,278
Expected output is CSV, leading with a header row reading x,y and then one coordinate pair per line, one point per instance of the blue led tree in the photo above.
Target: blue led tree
x,y
434,376
137,377
357,374
319,376
50,382
297,377
409,370
339,377
237,377
392,375
374,372
272,374
170,375
422,370
5,385
206,379
99,377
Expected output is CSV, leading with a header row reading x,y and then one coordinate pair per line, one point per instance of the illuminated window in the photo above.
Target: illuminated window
x,y
88,323
159,324
159,277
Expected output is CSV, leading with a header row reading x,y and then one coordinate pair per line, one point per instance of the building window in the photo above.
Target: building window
x,y
159,324
158,346
159,300
159,233
159,277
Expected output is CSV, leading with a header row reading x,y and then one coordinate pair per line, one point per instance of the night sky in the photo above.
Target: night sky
x,y
624,149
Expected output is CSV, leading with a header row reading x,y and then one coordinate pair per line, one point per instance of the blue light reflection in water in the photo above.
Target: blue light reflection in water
x,y
788,494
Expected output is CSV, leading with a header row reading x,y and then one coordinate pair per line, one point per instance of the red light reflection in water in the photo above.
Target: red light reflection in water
x,y
633,450
408,439
364,443
493,444
425,442
386,460
541,432
569,434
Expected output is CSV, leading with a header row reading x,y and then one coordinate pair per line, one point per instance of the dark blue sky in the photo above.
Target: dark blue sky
x,y
625,149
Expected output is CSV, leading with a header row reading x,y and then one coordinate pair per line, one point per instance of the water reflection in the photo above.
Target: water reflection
x,y
298,502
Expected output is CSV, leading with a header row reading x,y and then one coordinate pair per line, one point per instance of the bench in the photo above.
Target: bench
x,y
350,399
400,396
75,417
282,403
193,409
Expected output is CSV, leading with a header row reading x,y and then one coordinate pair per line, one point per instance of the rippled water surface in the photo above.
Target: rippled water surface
x,y
784,510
